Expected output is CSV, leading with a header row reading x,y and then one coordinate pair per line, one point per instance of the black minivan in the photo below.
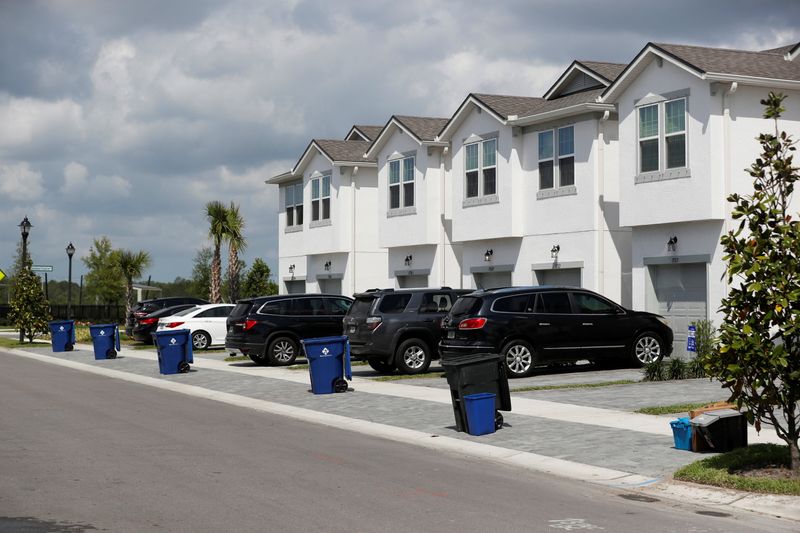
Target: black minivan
x,y
268,329
532,326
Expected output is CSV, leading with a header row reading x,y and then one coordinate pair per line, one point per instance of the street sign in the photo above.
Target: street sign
x,y
2,275
41,268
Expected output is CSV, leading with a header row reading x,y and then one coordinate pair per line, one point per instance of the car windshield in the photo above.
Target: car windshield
x,y
465,305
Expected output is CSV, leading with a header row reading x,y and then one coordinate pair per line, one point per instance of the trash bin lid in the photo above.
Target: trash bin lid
x,y
706,419
470,359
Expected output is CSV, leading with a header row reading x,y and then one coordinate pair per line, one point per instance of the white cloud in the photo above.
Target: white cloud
x,y
19,183
29,121
75,176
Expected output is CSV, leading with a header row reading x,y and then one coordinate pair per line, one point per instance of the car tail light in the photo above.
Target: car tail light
x,y
174,324
373,322
147,321
248,324
472,323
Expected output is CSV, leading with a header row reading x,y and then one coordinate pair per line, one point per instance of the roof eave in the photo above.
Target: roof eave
x,y
560,113
281,178
364,163
563,78
456,119
753,80
381,140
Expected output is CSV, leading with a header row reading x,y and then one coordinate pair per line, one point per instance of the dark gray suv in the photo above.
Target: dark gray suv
x,y
398,328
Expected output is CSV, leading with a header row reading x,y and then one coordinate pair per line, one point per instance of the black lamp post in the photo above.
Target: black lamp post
x,y
24,228
70,253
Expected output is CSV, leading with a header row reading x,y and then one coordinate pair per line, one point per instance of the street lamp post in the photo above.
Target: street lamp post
x,y
24,228
70,252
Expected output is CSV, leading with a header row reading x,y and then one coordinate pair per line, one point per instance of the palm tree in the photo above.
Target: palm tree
x,y
236,243
217,215
131,265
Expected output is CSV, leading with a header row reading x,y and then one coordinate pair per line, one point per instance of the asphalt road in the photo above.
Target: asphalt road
x,y
80,452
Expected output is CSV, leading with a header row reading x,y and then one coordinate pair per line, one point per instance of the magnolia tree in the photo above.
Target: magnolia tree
x,y
758,351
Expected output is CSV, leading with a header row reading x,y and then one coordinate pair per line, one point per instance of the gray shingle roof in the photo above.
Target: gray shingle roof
x,y
371,132
344,150
769,64
506,106
609,71
425,128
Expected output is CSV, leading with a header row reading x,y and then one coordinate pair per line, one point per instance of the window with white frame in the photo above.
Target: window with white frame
x,y
401,183
557,158
321,198
294,204
480,164
657,137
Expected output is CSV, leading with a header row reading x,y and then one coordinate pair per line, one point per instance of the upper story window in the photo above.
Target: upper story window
x,y
294,204
667,136
401,183
321,198
557,158
481,168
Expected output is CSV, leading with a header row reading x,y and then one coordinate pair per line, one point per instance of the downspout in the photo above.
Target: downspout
x,y
443,231
353,231
601,177
726,158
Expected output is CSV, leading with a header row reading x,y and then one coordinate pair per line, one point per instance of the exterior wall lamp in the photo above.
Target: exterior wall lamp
x,y
672,244
408,260
554,251
488,255
327,265
291,270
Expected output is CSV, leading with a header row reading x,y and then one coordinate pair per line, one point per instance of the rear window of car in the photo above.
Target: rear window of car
x,y
185,311
278,307
465,305
241,309
394,303
361,307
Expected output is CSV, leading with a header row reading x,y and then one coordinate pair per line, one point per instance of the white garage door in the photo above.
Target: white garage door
x,y
412,282
295,287
569,277
490,280
330,286
680,296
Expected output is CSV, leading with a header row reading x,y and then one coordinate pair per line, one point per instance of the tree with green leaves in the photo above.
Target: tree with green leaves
x,y
30,311
201,271
104,281
757,356
217,216
132,265
258,282
236,243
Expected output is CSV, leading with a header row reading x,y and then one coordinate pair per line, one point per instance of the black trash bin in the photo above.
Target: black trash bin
x,y
474,374
719,431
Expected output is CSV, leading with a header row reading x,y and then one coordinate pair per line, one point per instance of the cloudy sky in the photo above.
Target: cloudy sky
x,y
123,118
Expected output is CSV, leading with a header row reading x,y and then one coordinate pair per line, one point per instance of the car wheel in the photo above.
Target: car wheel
x,y
282,351
259,359
200,340
519,358
379,365
412,357
647,348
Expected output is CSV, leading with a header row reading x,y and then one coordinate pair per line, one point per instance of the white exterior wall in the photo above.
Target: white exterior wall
x,y
491,221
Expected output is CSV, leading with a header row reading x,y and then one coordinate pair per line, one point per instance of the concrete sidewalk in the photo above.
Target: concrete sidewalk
x,y
562,432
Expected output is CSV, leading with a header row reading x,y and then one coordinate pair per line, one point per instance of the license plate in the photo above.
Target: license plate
x,y
352,329
451,334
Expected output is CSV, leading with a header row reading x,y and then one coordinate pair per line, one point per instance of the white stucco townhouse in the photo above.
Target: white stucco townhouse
x,y
327,229
414,203
688,119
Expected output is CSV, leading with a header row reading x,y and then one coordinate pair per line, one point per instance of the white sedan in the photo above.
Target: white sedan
x,y
206,322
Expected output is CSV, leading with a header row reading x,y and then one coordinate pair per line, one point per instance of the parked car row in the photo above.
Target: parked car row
x,y
406,329
206,322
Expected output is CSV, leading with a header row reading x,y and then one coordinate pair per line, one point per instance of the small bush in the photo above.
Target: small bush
x,y
655,371
676,369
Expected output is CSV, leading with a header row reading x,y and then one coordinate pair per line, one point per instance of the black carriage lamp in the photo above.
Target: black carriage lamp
x,y
327,265
25,227
70,253
554,251
408,260
672,244
488,255
291,269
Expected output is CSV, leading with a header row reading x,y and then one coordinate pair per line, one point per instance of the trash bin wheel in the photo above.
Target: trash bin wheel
x,y
339,385
183,367
111,353
68,347
498,420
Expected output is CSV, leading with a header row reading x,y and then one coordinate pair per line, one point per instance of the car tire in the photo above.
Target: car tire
x,y
201,340
413,356
380,366
519,358
282,351
259,359
647,348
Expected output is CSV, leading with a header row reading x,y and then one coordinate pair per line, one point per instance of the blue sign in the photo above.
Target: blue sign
x,y
691,344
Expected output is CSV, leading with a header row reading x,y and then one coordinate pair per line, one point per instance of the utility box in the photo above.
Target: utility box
x,y
719,431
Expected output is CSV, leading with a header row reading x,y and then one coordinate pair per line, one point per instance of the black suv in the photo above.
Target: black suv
x,y
142,309
398,328
268,329
531,326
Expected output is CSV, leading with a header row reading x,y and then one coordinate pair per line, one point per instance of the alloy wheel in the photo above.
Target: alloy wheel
x,y
647,349
283,351
519,359
414,357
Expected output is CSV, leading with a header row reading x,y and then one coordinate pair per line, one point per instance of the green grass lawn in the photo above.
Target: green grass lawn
x,y
675,408
760,468
575,385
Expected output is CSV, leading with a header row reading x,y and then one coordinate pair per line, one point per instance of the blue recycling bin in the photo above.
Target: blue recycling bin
x,y
105,337
62,335
328,363
682,433
174,350
480,413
